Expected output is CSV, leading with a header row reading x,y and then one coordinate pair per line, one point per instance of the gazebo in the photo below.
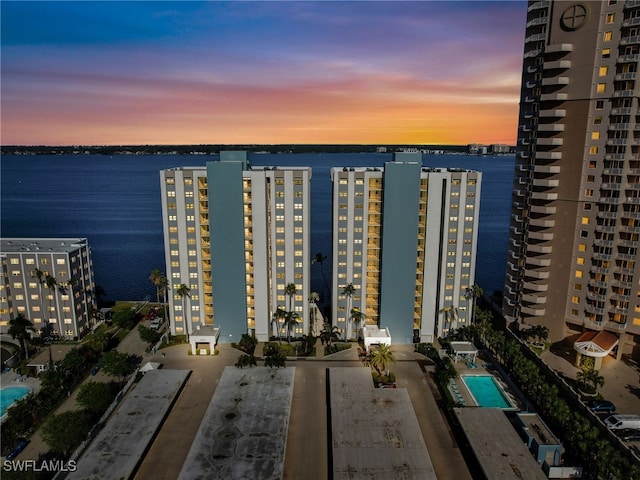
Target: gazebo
x,y
464,350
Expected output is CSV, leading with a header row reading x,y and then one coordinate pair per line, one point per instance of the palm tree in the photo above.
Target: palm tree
x,y
450,315
279,314
590,377
473,293
319,260
381,358
291,319
51,284
20,328
290,290
155,278
358,317
163,287
329,334
348,291
183,291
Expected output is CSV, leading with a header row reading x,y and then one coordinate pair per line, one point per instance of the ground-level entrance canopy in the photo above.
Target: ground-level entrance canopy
x,y
204,340
596,345
373,335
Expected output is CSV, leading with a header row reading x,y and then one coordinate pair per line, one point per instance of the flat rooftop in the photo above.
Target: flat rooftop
x,y
243,433
500,451
375,431
123,442
22,245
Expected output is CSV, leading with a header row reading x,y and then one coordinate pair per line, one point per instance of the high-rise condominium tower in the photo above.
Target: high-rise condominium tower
x,y
50,282
575,225
404,242
236,236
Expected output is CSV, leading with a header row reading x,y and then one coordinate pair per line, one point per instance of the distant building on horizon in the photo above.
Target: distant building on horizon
x,y
236,236
404,237
51,282
573,263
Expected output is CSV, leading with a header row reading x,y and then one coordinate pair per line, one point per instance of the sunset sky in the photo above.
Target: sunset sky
x,y
368,72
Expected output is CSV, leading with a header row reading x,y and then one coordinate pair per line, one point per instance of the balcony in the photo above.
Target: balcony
x,y
537,37
553,142
534,312
630,22
633,58
601,270
545,182
553,113
613,171
537,21
538,261
542,210
557,65
546,168
627,75
554,81
605,228
633,40
544,196
533,53
618,126
629,229
551,127
607,215
541,236
554,97
540,275
595,310
539,248
538,222
610,186
602,256
532,298
614,156
610,200
549,155
599,242
617,141
622,111
560,48
598,297
624,93
536,287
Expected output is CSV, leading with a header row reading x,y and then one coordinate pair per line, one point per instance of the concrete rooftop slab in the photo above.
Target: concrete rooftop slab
x,y
243,433
124,440
499,449
375,432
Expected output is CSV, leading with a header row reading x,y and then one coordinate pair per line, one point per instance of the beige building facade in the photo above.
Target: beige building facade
x,y
575,223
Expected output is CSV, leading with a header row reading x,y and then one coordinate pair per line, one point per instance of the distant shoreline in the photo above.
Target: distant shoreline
x,y
215,149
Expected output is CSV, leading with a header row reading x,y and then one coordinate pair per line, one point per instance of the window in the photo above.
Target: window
x,y
607,36
599,104
580,261
595,135
593,164
591,178
578,273
606,53
597,120
593,150
601,88
603,71
611,18
582,247
575,299
585,220
588,192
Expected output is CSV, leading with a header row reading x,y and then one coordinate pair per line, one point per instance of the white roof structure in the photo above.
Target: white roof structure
x,y
375,336
464,350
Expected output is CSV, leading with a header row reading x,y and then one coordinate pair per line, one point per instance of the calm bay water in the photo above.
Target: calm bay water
x,y
115,203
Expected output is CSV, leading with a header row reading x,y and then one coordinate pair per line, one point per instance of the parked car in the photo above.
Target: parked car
x,y
628,434
618,422
602,406
155,324
14,453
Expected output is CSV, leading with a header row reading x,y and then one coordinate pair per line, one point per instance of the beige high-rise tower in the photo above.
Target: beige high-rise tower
x,y
575,225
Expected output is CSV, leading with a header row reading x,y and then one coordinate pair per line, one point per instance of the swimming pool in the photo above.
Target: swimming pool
x,y
9,395
485,391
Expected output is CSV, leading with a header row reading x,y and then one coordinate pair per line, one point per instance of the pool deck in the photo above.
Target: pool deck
x,y
459,390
